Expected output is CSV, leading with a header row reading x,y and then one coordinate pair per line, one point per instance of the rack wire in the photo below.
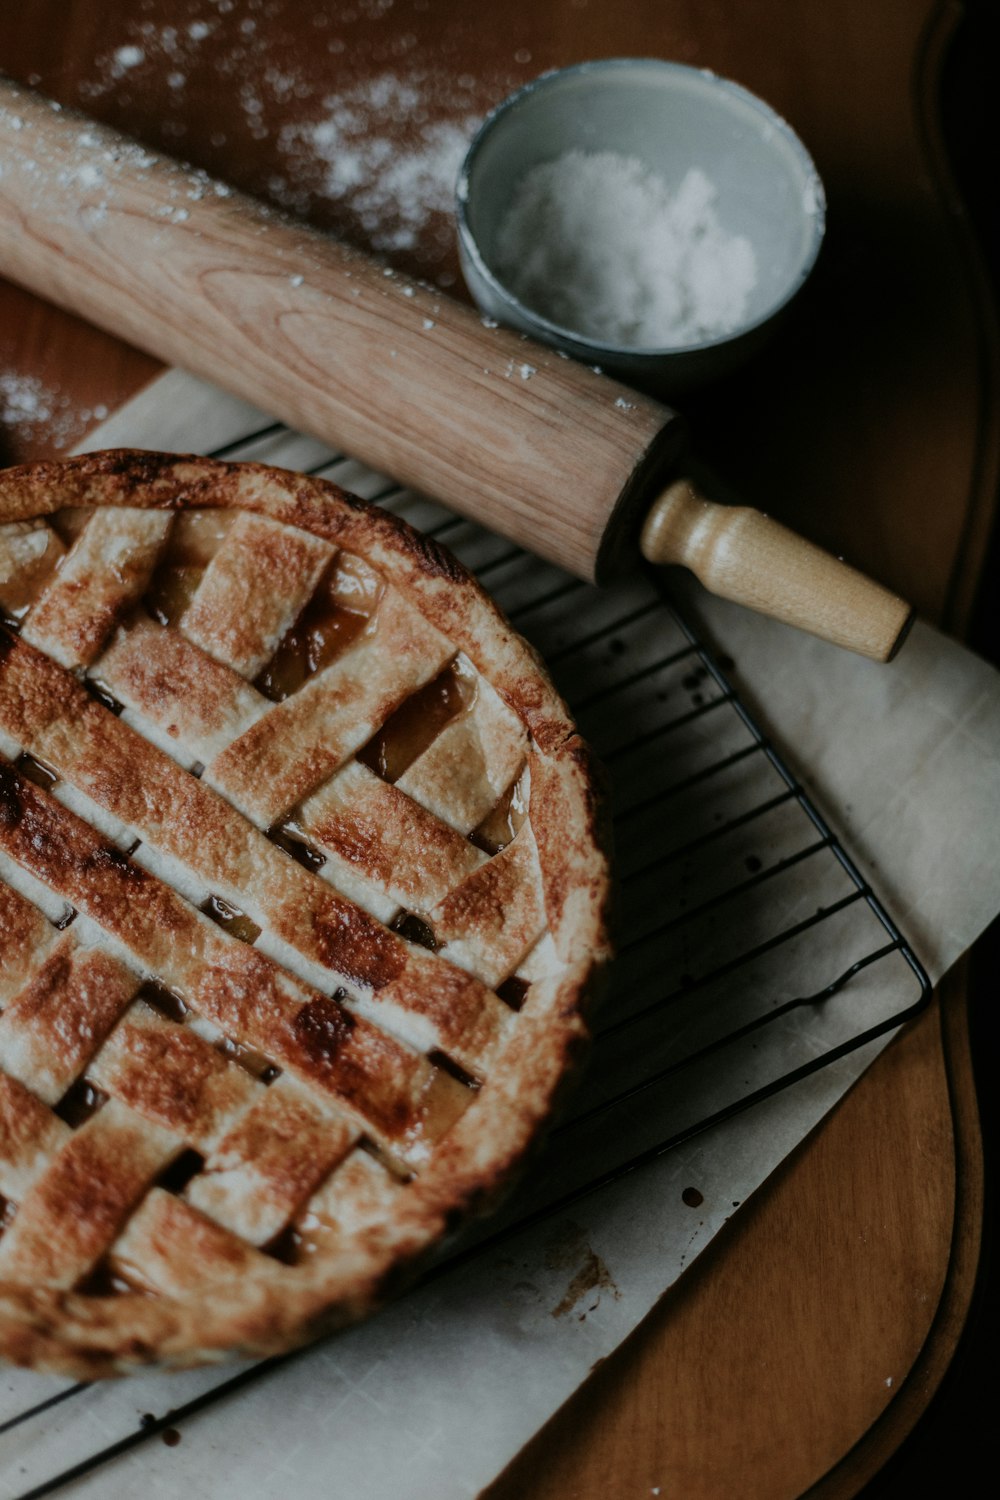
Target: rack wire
x,y
752,952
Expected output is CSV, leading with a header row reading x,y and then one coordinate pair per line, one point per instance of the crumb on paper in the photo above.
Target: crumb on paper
x,y
567,1247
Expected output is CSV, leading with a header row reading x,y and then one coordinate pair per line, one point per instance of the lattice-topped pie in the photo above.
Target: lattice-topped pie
x,y
301,901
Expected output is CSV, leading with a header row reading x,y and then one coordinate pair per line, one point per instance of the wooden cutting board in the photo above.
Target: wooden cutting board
x,y
767,1367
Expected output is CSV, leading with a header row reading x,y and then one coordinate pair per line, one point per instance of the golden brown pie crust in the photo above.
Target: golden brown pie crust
x,y
311,1088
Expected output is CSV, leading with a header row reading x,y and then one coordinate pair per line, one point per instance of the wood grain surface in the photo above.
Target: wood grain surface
x,y
741,554
541,449
385,368
868,427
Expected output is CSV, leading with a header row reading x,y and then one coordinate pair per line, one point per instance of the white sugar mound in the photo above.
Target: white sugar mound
x,y
597,243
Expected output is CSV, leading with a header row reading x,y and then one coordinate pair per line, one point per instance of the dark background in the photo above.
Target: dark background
x,y
953,1447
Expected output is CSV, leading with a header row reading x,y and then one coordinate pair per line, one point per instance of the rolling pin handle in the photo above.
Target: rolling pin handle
x,y
742,555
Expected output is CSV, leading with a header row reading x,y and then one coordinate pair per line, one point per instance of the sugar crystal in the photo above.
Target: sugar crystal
x,y
600,245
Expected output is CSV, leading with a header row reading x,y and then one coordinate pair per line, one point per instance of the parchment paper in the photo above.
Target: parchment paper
x,y
436,1395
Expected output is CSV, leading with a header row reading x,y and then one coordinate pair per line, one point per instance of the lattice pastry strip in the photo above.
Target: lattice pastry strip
x,y
487,912
167,1073
265,1147
178,695
302,1094
107,823
30,1136
273,1157
192,704
275,566
346,879
469,766
397,1095
35,892
26,937
301,742
351,1205
107,569
490,921
53,1027
174,812
29,553
387,838
70,1214
424,1000
168,1247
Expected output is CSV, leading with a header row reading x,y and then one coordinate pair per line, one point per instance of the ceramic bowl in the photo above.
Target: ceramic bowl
x,y
670,118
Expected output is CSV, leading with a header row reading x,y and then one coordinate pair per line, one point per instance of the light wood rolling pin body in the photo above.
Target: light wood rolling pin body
x,y
544,450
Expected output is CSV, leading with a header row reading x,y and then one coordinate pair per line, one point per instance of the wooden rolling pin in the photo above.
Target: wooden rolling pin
x,y
555,456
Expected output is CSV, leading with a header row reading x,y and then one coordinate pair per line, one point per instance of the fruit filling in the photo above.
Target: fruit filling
x,y
248,1058
194,539
36,771
80,1101
175,1177
513,991
106,1280
499,827
408,732
31,554
415,930
171,589
231,919
68,524
290,837
165,1001
339,610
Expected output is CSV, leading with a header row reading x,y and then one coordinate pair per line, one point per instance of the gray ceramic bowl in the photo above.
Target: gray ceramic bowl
x,y
670,117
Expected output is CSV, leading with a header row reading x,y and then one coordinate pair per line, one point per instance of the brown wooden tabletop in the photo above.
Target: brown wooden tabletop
x,y
803,1345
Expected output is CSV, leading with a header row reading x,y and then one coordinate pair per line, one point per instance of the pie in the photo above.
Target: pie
x,y
302,907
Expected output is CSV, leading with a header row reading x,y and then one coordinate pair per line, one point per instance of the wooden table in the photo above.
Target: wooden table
x,y
805,1343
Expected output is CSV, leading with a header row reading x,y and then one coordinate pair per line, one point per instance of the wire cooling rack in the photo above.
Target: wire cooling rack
x,y
751,951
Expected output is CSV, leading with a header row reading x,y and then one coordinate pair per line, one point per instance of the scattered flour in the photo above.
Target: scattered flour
x,y
24,401
381,156
32,410
124,58
375,159
600,245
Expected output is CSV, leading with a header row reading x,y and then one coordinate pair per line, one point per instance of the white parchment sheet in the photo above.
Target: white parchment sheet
x,y
434,1396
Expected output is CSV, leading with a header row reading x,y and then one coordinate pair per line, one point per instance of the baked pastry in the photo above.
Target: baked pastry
x,y
302,899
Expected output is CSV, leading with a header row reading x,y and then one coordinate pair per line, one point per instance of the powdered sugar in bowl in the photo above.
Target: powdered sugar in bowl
x,y
644,216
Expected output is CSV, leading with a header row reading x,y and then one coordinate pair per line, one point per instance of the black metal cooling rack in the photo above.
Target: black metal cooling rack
x,y
752,952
